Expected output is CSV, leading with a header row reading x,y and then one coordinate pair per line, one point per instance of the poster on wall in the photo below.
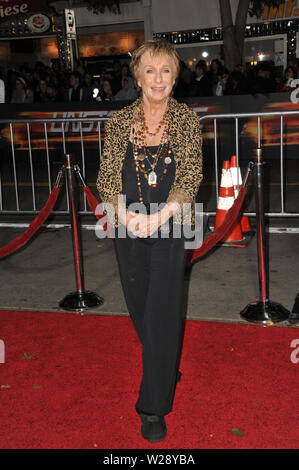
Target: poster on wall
x,y
205,106
106,44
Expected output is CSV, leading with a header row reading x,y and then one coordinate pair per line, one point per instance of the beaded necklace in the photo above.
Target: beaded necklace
x,y
142,153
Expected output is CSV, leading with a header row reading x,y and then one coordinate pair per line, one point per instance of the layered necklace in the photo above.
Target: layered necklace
x,y
141,153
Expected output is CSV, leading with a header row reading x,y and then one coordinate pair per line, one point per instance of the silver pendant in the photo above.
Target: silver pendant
x,y
152,178
167,160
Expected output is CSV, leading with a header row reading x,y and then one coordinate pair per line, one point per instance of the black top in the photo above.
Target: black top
x,y
75,94
149,194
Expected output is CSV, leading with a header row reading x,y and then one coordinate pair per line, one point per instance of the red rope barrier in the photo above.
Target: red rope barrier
x,y
20,241
221,232
97,210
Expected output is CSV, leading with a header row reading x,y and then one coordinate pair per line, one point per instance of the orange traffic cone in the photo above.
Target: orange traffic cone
x,y
237,181
226,199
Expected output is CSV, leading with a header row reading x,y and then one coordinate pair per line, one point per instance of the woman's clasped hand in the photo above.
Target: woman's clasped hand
x,y
141,225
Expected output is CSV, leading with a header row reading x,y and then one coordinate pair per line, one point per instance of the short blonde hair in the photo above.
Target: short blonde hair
x,y
154,47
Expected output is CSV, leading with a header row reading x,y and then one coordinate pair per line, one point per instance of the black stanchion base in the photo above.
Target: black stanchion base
x,y
79,301
247,236
265,312
294,316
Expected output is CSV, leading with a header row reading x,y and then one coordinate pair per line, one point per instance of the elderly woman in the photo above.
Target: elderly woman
x,y
152,158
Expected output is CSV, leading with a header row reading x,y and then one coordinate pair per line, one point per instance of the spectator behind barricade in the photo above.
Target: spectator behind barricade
x,y
2,88
126,93
88,86
41,95
264,82
106,93
184,86
125,73
31,82
294,63
56,67
285,84
76,92
236,84
213,74
107,75
222,82
201,85
21,93
53,93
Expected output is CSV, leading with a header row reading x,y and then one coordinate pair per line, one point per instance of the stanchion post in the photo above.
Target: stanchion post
x,y
263,311
80,299
294,317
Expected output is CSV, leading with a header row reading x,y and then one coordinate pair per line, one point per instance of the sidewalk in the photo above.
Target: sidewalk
x,y
217,287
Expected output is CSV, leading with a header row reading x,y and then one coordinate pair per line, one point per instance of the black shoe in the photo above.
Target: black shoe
x,y
293,318
153,427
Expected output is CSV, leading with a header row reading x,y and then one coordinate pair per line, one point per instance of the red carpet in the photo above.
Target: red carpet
x,y
70,381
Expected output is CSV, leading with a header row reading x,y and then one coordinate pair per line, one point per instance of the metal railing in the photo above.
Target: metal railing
x,y
94,123
258,116
83,126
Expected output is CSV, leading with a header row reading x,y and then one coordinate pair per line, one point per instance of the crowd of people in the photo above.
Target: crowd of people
x,y
42,84
217,80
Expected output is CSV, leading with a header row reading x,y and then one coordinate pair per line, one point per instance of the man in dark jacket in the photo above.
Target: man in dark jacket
x,y
76,92
201,85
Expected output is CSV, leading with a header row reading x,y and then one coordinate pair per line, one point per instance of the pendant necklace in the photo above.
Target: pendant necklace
x,y
141,152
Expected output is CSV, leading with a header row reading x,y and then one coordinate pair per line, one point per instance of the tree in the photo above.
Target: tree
x,y
96,6
233,33
99,6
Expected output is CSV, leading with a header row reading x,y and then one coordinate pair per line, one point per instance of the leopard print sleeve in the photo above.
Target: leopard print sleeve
x,y
189,172
106,181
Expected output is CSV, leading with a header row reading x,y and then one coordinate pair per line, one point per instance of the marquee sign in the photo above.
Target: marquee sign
x,y
70,24
11,8
286,9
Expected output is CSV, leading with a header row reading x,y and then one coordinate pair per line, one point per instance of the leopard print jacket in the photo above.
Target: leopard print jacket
x,y
185,139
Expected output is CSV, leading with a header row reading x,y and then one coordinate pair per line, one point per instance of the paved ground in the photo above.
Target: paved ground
x,y
217,288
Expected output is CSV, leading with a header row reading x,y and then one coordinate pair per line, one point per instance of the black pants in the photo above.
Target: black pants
x,y
152,277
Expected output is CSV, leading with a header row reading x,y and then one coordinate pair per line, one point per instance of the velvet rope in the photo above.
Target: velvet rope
x,y
222,231
20,241
95,206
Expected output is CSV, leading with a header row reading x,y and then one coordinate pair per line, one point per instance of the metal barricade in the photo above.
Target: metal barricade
x,y
12,130
236,117
49,149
